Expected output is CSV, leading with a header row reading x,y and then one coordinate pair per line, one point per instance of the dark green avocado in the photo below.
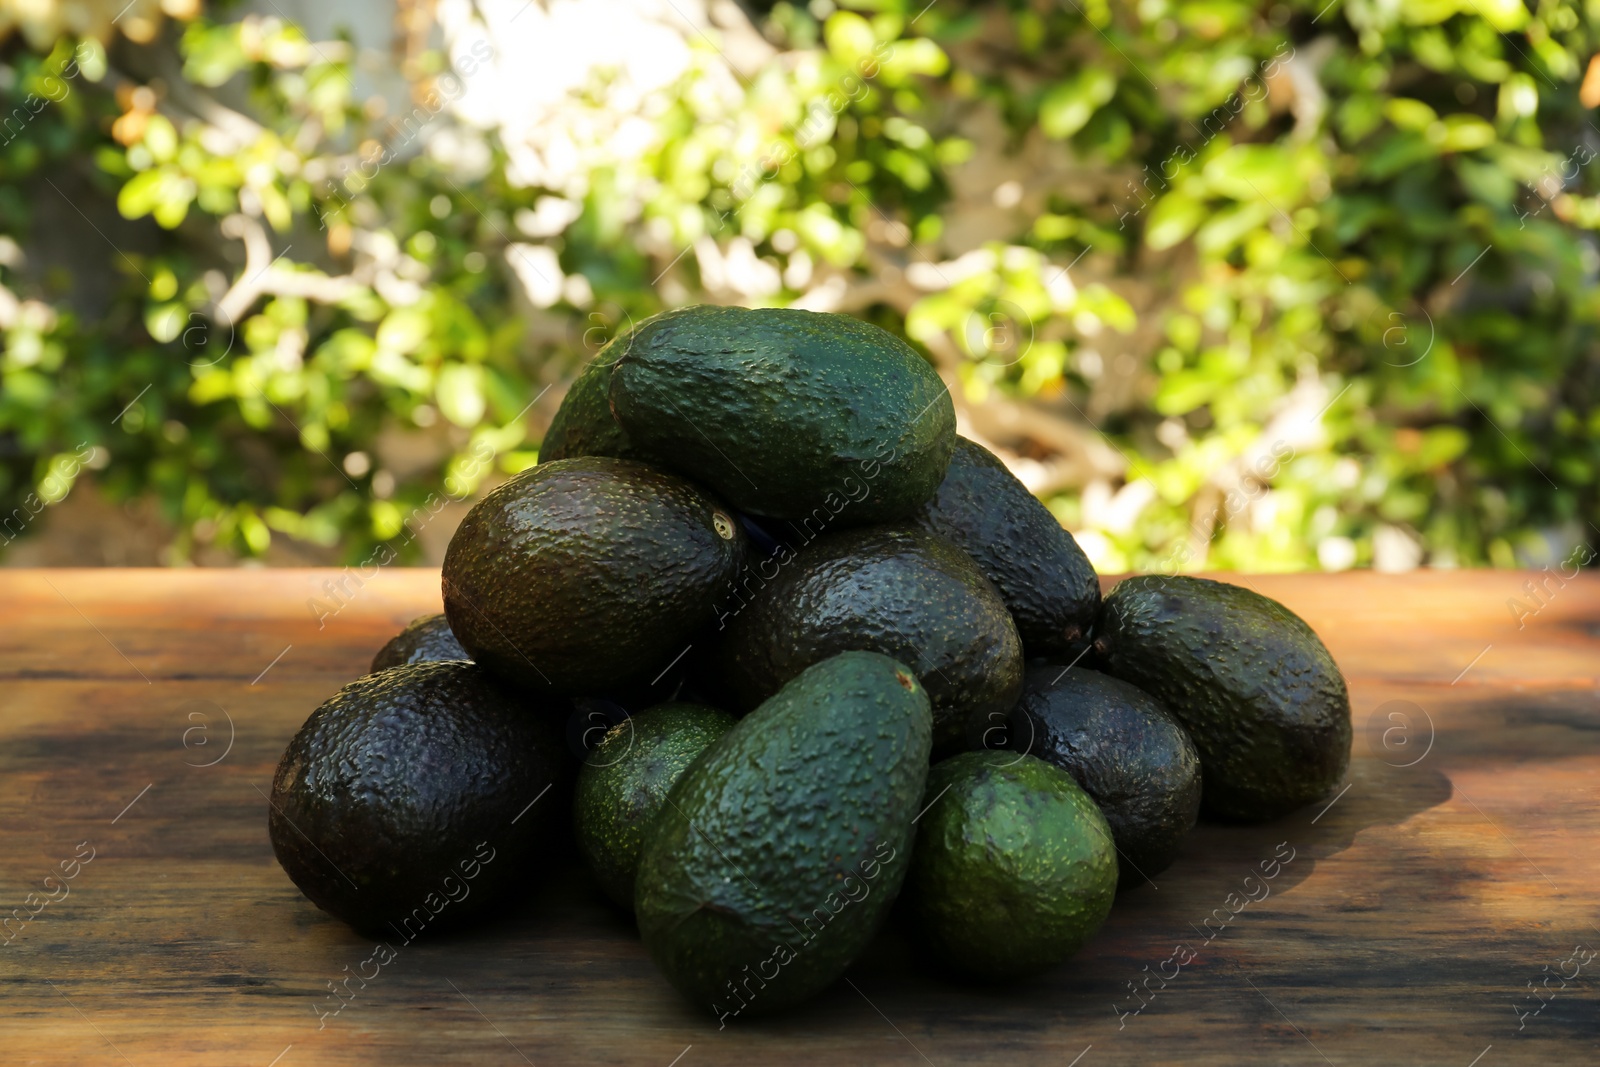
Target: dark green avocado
x,y
1047,582
1013,868
583,424
1126,751
416,798
1252,684
588,575
779,852
426,639
902,592
815,418
624,782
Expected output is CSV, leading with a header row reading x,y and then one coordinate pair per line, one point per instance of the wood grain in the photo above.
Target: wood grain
x,y
1458,865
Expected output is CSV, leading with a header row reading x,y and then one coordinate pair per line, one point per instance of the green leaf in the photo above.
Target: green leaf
x,y
1068,106
178,194
849,38
1174,218
164,322
347,352
1353,216
1396,153
1428,12
1504,15
161,138
1253,172
403,330
1184,391
28,388
255,532
460,393
1229,226
1465,133
1519,98
212,54
141,194
1442,445
1100,301
907,57
1408,114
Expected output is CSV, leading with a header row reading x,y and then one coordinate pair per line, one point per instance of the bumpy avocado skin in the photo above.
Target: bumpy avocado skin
x,y
1013,868
588,575
899,591
583,424
1124,749
1048,583
1252,684
426,639
624,782
780,850
788,414
393,806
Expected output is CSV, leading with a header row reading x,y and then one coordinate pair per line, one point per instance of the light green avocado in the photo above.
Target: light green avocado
x,y
777,856
624,782
1014,867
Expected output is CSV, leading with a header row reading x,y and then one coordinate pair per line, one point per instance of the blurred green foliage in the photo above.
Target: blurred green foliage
x,y
1364,232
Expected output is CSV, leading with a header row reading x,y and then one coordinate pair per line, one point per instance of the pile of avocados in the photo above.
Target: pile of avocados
x,y
777,653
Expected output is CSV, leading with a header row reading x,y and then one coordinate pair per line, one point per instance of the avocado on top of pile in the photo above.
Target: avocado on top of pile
x,y
403,803
1127,752
426,639
1253,685
903,592
1047,582
588,575
779,851
583,424
1013,868
624,782
789,414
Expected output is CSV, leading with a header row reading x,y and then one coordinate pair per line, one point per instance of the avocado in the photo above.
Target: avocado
x,y
586,574
789,414
779,851
1124,749
583,424
902,592
624,782
1013,867
1252,684
416,798
426,639
1047,582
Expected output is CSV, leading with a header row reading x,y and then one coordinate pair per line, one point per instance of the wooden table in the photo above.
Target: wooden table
x,y
143,713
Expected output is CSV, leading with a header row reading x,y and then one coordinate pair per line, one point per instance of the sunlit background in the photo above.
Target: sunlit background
x,y
1262,286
